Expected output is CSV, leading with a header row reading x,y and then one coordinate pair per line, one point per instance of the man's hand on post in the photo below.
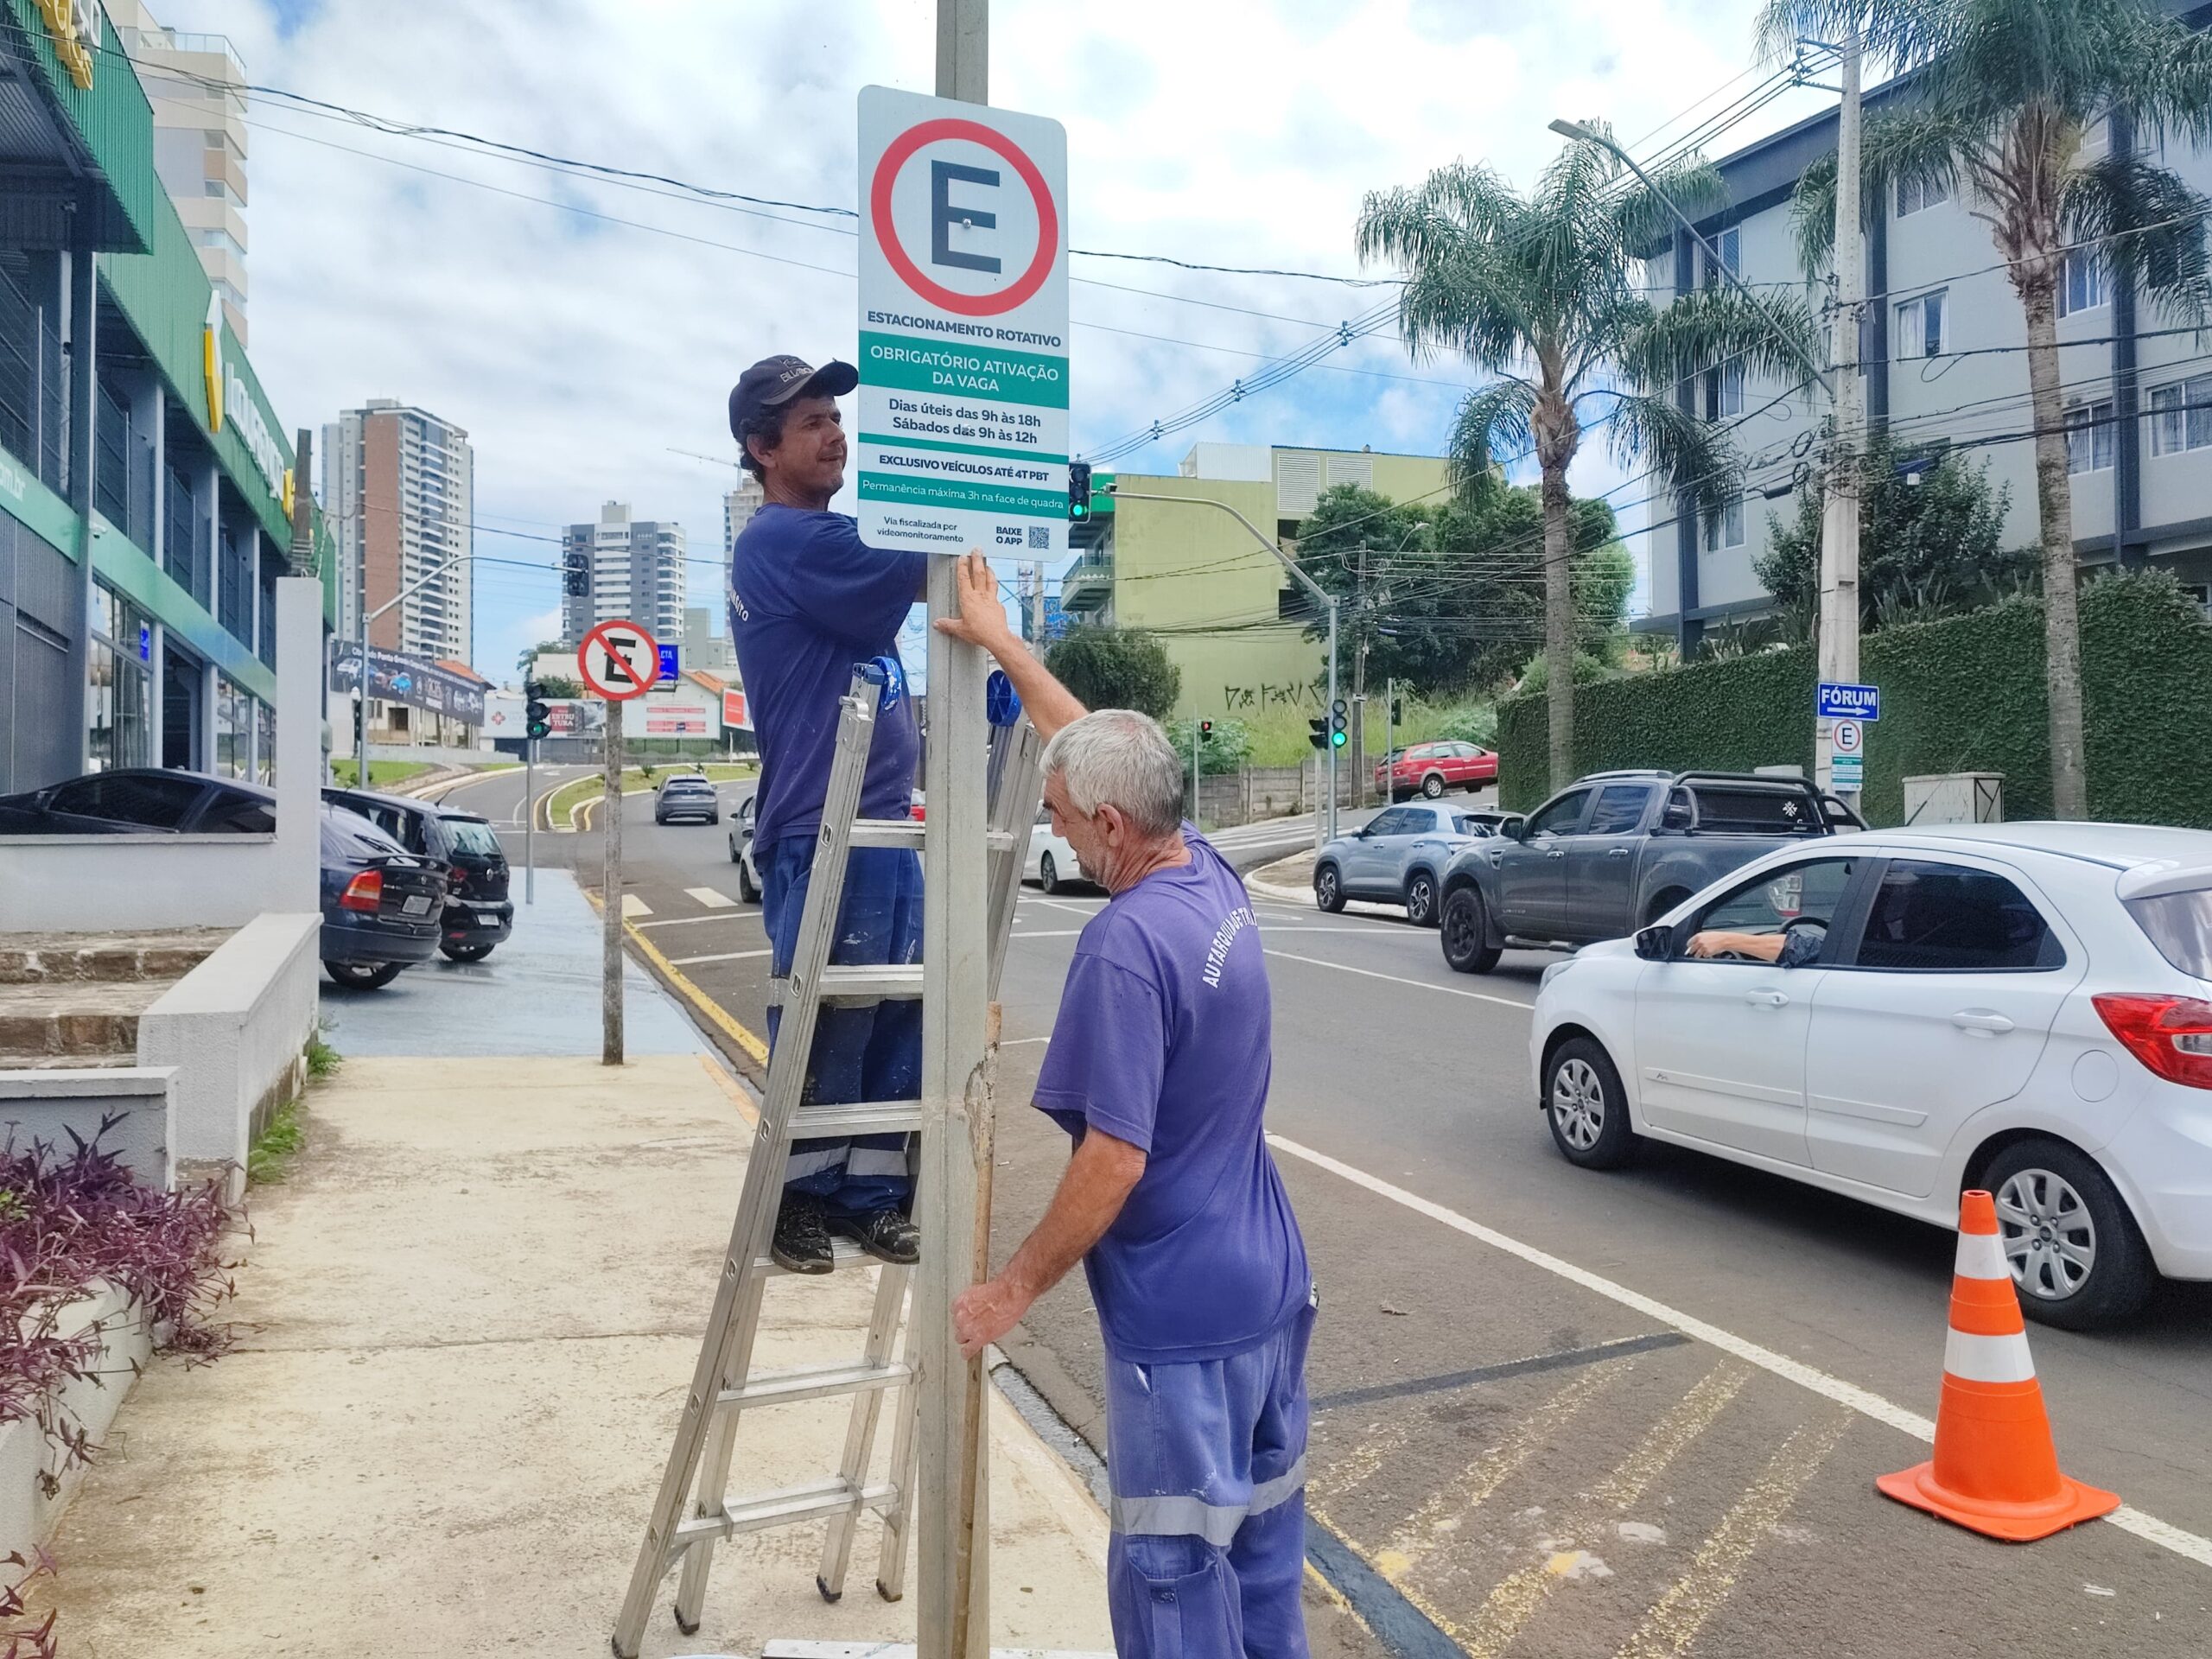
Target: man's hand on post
x,y
983,1313
982,620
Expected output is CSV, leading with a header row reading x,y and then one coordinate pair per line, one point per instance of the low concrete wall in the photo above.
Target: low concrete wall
x,y
27,1515
47,1104
1245,797
431,754
236,1028
114,884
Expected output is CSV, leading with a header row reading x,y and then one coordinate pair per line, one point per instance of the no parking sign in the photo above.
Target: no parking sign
x,y
963,394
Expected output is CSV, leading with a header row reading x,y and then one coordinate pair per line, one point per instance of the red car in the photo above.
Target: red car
x,y
1431,768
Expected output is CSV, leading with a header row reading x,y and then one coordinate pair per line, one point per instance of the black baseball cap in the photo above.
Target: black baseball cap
x,y
775,380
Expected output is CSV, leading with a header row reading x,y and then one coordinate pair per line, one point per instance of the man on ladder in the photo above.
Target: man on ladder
x,y
808,598
1159,1069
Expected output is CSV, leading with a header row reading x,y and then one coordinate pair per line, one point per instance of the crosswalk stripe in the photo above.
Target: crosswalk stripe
x,y
633,906
713,898
1677,1616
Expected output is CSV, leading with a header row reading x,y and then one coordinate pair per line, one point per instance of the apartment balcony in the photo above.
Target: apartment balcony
x,y
1088,584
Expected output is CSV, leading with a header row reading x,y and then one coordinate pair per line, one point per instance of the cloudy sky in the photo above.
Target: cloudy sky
x,y
586,332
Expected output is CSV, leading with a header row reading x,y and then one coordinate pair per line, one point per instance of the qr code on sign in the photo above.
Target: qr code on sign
x,y
1040,538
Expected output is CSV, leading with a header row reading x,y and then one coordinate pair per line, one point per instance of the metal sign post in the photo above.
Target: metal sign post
x,y
529,820
618,660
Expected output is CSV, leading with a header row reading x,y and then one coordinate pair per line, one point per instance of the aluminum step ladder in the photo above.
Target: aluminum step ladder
x,y
694,1509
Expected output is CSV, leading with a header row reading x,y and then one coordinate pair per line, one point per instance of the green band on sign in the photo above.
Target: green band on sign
x,y
902,362
950,494
996,451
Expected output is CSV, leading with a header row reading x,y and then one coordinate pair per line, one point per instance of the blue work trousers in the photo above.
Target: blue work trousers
x,y
1207,1464
869,1052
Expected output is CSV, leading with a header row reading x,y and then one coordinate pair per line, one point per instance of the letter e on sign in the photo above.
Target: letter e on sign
x,y
619,661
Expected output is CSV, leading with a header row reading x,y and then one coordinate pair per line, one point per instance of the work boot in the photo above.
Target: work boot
x,y
886,1234
802,1242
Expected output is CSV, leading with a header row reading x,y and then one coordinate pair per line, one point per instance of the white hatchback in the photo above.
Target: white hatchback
x,y
1052,863
1903,1014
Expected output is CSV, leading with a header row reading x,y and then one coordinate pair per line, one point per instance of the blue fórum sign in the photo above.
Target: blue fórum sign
x,y
1835,701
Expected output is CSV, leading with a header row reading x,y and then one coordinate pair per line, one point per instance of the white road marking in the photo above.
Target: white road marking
x,y
718,956
712,898
1399,979
1017,1042
1865,1402
633,906
1265,927
718,916
1062,904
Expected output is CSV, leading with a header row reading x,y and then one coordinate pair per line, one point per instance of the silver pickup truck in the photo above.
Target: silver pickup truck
x,y
1614,850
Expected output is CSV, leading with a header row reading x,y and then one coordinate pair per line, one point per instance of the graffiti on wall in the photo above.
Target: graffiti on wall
x,y
1247,699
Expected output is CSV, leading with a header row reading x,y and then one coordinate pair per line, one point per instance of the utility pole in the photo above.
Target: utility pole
x,y
610,891
1359,682
1037,608
1389,720
1840,506
952,1510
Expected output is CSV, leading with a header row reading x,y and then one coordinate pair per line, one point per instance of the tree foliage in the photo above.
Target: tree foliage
x,y
1451,599
1931,543
1116,667
559,685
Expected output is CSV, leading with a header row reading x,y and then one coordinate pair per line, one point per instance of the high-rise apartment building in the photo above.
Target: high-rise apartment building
x,y
737,508
399,486
196,84
637,572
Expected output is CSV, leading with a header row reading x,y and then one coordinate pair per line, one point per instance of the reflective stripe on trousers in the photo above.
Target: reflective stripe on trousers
x,y
1207,1464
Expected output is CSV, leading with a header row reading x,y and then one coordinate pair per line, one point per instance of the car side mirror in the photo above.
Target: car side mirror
x,y
1656,942
1514,829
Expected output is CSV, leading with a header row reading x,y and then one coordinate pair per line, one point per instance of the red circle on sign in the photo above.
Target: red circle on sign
x,y
599,636
886,235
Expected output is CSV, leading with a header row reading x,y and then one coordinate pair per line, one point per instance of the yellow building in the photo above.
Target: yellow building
x,y
1230,616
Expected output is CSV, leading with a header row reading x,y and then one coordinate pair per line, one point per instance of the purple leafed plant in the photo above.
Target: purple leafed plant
x,y
25,1641
70,1224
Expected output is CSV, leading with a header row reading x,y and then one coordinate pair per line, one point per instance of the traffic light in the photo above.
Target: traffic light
x,y
1397,712
1078,491
576,573
1205,730
1318,732
536,717
1339,711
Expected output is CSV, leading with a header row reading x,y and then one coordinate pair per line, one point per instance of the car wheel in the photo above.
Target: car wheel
x,y
1432,786
1048,873
1420,899
2076,1255
1328,889
466,952
1467,949
747,891
363,976
1587,1106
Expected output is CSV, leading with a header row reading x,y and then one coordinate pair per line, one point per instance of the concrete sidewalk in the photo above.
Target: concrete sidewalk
x,y
468,1318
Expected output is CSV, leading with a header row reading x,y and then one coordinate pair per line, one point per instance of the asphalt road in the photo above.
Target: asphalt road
x,y
1560,1413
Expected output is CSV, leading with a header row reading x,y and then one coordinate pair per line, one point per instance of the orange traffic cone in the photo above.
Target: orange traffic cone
x,y
1994,1471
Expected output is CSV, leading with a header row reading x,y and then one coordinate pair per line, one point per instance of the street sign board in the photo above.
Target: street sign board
x,y
1849,776
1832,700
671,665
735,716
963,327
618,661
1849,737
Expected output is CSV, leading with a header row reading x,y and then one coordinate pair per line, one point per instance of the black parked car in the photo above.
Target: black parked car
x,y
380,903
478,914
138,801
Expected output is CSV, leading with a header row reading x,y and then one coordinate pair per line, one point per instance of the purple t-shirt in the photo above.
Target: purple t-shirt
x,y
808,599
1162,1042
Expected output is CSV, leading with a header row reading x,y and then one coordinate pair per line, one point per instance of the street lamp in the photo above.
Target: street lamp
x,y
1310,586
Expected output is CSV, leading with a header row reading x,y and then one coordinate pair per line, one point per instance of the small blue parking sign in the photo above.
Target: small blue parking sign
x,y
1835,700
670,663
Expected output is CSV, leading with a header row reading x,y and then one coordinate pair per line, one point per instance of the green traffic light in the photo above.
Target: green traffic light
x,y
1338,739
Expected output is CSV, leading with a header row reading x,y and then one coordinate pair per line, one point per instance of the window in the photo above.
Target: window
x,y
2181,416
238,814
473,838
1751,811
1729,244
1620,810
1913,195
1930,918
2088,437
2180,925
1724,391
122,682
1798,897
1560,818
1923,325
1398,821
233,722
155,800
1726,530
2081,285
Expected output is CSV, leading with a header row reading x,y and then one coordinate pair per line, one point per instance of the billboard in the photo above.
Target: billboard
x,y
736,716
415,681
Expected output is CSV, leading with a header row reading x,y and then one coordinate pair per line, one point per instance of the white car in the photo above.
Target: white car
x,y
1052,863
2025,1007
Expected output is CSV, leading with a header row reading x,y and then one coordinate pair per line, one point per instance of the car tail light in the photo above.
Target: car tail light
x,y
364,892
2173,1035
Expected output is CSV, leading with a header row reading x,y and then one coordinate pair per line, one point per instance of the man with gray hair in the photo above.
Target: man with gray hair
x,y
1159,1069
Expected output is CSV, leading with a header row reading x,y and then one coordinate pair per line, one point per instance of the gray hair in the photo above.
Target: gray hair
x,y
1122,758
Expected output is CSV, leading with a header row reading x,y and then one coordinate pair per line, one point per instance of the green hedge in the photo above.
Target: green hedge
x,y
1962,695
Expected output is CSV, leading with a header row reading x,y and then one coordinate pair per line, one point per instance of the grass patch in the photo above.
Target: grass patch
x,y
322,1059
344,770
1280,734
274,1146
577,791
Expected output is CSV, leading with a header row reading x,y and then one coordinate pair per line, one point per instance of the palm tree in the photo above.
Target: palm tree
x,y
1541,291
2005,95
